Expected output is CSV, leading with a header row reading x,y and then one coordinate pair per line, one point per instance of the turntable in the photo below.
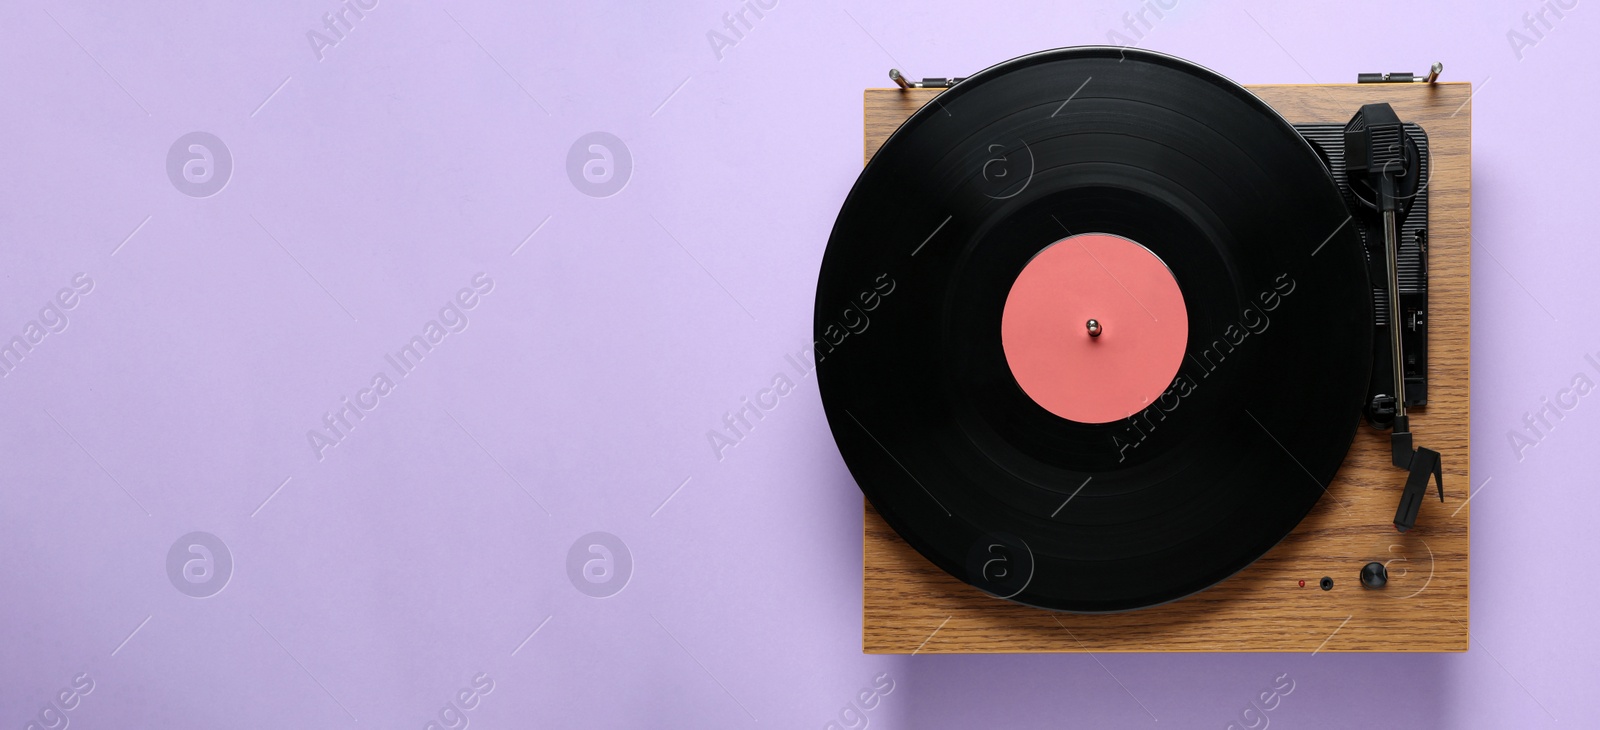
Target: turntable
x,y
1171,364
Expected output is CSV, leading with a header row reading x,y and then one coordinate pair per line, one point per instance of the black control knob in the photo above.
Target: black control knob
x,y
1374,575
1380,412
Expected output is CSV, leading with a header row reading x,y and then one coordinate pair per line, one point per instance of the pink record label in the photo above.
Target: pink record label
x,y
1113,367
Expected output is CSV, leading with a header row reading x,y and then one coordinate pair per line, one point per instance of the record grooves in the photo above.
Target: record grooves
x,y
929,416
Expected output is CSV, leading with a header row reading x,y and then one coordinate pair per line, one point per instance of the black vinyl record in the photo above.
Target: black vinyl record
x,y
1001,492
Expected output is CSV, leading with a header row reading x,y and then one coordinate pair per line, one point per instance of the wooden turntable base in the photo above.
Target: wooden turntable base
x,y
910,606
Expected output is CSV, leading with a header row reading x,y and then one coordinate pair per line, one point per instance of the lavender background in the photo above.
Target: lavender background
x,y
431,545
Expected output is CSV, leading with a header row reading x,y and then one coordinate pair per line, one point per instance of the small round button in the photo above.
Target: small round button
x,y
1374,575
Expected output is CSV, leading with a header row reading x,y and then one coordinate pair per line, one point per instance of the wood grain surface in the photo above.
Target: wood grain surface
x,y
910,606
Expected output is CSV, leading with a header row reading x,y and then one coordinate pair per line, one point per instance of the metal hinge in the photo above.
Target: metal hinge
x,y
1402,77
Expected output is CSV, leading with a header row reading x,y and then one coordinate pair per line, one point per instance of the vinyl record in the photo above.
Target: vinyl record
x,y
1107,466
